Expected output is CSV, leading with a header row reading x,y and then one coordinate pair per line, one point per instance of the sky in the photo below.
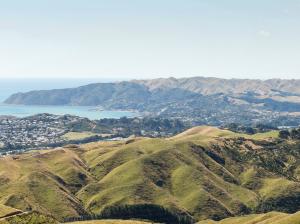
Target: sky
x,y
126,39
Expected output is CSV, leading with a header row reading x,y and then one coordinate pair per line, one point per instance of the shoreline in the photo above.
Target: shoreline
x,y
92,113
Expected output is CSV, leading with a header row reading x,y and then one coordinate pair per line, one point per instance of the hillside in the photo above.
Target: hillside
x,y
209,86
204,173
7,211
202,100
268,218
28,218
110,222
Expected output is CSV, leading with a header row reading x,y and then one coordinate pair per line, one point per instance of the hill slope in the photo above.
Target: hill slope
x,y
268,218
205,172
28,218
110,222
7,211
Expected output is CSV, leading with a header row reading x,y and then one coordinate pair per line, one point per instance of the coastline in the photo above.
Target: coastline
x,y
89,112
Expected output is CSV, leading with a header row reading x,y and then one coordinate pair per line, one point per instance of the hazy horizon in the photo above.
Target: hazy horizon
x,y
132,39
126,78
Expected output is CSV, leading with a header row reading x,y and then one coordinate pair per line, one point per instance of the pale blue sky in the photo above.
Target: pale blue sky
x,y
149,38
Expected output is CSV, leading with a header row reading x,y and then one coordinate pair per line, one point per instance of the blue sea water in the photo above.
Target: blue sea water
x,y
10,86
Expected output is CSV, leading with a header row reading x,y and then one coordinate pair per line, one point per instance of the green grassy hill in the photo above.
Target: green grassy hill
x,y
205,172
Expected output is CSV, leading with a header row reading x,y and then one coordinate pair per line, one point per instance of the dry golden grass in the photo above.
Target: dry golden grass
x,y
5,211
268,218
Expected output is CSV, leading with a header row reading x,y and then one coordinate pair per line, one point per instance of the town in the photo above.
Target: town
x,y
46,130
18,134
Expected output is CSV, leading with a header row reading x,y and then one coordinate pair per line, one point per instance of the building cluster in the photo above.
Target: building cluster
x,y
31,132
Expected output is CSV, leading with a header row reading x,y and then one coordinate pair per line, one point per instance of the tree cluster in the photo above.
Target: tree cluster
x,y
256,128
290,134
151,212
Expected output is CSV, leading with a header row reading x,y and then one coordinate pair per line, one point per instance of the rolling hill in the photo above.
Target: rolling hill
x,y
268,218
203,100
111,222
203,173
265,218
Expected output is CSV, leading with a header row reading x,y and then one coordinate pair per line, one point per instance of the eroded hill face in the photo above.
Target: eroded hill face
x,y
204,172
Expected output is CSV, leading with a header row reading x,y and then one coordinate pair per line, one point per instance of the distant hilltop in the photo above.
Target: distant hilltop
x,y
195,98
99,93
211,85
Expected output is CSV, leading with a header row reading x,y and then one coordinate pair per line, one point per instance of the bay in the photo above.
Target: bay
x,y
10,86
81,111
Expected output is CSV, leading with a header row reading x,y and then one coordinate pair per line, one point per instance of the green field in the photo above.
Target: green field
x,y
78,135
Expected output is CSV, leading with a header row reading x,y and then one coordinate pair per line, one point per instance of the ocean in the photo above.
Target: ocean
x,y
10,86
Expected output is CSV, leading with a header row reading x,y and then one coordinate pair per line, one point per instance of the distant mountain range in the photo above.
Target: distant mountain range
x,y
200,100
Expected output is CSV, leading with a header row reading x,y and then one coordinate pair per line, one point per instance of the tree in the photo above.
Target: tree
x,y
284,134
